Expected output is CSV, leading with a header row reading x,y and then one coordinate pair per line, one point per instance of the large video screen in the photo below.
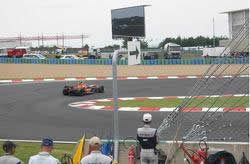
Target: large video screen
x,y
128,22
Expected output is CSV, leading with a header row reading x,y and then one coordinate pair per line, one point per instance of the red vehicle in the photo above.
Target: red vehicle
x,y
17,52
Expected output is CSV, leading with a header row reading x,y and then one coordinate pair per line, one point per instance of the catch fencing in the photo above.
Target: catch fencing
x,y
192,61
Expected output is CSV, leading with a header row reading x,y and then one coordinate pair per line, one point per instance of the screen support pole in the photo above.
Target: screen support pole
x,y
116,112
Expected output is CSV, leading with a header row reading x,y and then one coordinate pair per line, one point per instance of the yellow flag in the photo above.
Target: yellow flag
x,y
79,151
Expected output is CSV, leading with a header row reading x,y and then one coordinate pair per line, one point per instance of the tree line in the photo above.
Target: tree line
x,y
192,41
184,42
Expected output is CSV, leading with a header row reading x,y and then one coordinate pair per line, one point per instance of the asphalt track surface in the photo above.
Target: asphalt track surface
x,y
32,111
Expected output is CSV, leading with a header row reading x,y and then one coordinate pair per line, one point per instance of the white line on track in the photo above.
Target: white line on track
x,y
214,96
80,105
103,100
210,77
173,77
127,98
181,97
96,107
152,77
239,95
129,109
132,78
49,80
227,76
5,81
27,80
91,78
192,77
70,79
167,109
109,78
88,102
155,98
212,109
244,75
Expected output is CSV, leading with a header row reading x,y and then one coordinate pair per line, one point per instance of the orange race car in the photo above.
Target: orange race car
x,y
81,89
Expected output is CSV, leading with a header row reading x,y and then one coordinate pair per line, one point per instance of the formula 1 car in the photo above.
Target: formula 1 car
x,y
82,89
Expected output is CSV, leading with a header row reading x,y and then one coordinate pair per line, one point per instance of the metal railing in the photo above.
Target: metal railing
x,y
192,61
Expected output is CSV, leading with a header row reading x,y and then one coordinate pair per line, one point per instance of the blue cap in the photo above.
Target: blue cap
x,y
47,142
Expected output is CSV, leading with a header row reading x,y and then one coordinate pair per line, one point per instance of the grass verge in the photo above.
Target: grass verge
x,y
224,102
25,150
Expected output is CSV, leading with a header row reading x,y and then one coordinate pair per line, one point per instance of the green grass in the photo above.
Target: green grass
x,y
25,150
173,102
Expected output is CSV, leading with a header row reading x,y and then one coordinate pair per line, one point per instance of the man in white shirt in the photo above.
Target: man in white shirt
x,y
44,156
8,158
96,157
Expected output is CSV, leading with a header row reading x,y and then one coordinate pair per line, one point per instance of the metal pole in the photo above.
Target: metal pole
x,y
82,40
42,39
116,112
57,40
20,37
213,34
63,41
38,40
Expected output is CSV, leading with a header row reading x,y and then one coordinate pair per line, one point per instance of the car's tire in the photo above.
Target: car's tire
x,y
65,92
71,93
101,89
79,92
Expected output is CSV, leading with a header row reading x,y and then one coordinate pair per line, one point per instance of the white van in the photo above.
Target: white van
x,y
33,56
69,57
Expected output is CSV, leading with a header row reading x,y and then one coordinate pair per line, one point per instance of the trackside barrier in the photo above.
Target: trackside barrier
x,y
192,61
236,148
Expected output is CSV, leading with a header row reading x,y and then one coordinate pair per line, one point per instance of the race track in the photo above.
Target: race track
x,y
32,111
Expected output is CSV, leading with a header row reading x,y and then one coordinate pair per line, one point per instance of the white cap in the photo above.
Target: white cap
x,y
94,141
147,117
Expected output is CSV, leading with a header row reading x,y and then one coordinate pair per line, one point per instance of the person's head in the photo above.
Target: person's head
x,y
9,147
47,145
95,144
147,118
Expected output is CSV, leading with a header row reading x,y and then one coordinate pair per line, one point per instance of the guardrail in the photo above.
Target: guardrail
x,y
193,61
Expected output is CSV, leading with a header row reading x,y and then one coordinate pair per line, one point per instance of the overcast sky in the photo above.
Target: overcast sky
x,y
164,18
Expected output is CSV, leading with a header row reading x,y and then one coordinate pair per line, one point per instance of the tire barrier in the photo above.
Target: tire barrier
x,y
192,61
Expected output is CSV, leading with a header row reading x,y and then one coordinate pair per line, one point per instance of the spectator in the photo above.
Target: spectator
x,y
96,156
44,156
147,138
10,150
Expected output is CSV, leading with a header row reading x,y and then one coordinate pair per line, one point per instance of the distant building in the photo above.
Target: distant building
x,y
236,20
